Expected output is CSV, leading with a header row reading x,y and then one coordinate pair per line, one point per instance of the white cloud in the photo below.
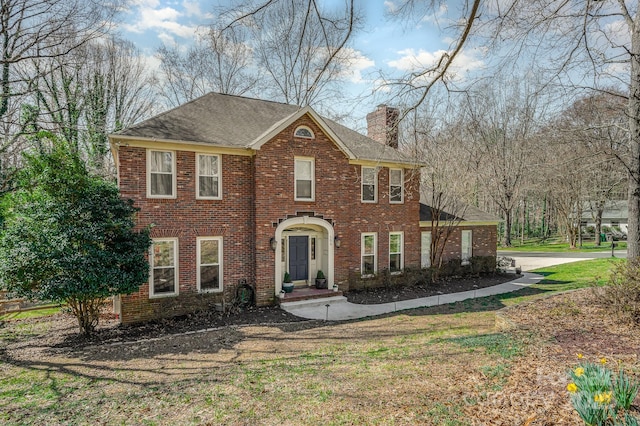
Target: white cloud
x,y
411,61
390,6
437,16
355,63
149,16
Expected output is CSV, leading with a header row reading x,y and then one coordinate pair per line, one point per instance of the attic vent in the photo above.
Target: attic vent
x,y
304,132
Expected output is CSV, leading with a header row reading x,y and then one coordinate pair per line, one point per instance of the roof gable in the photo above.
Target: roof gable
x,y
244,123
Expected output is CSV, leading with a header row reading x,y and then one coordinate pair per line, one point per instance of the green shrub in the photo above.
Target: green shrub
x,y
622,295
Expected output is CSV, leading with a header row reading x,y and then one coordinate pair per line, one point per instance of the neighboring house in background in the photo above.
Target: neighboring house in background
x,y
243,190
615,213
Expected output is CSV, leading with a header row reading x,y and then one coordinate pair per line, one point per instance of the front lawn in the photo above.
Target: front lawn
x,y
559,246
446,365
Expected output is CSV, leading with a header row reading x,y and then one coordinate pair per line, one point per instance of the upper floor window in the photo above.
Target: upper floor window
x,y
210,264
164,271
304,132
161,176
369,184
208,183
396,193
305,177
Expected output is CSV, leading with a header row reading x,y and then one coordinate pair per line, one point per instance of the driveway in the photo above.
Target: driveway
x,y
534,260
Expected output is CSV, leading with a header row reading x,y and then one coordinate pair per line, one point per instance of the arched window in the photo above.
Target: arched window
x,y
304,132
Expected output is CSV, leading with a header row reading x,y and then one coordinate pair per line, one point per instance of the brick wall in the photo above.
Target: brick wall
x,y
484,241
337,198
186,219
250,210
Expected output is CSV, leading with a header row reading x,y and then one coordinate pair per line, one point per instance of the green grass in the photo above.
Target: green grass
x,y
36,313
558,246
574,275
495,343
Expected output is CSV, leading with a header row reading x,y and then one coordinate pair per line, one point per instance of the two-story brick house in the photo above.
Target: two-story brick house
x,y
244,190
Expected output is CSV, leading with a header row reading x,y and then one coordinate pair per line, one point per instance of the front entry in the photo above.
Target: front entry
x,y
299,257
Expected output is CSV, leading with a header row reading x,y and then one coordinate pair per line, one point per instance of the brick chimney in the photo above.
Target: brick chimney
x,y
382,125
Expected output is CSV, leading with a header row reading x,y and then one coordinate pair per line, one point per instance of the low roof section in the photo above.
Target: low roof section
x,y
463,215
229,121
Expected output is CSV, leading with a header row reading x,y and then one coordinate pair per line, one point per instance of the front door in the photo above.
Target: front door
x,y
299,257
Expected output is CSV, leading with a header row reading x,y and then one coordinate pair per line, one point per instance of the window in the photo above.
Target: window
x,y
466,247
396,248
369,182
210,264
369,249
304,171
164,276
161,176
425,249
396,192
304,132
208,183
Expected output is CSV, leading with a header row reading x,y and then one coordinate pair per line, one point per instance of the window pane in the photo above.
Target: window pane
x,y
161,161
161,184
425,249
394,243
163,253
163,280
303,170
396,193
368,192
303,189
368,175
208,186
369,244
368,264
209,279
395,177
208,165
209,252
303,133
395,262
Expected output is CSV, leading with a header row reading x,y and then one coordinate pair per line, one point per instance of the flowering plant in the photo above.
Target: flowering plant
x,y
600,399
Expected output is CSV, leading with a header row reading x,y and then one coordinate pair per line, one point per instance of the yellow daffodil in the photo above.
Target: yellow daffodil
x,y
578,371
579,356
603,361
571,387
603,398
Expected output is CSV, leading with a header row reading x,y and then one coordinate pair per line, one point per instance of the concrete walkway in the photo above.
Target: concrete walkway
x,y
338,309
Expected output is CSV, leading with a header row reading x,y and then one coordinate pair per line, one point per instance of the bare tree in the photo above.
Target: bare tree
x,y
298,51
502,122
218,61
585,44
97,88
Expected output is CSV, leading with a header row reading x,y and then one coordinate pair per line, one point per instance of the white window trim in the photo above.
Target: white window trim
x,y
401,234
174,173
462,253
401,187
198,196
375,253
375,185
295,133
176,276
220,263
425,249
313,178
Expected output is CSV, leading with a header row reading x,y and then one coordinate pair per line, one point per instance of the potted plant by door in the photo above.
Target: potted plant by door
x,y
287,285
321,281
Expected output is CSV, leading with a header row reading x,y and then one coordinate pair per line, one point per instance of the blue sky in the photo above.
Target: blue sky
x,y
382,45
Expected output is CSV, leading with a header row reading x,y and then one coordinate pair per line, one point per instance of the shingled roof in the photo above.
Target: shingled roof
x,y
238,122
465,213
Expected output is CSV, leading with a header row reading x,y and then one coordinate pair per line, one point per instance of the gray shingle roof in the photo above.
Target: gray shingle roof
x,y
237,122
467,212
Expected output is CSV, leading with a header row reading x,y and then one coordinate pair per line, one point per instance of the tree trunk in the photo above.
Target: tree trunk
x,y
506,241
599,211
633,236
